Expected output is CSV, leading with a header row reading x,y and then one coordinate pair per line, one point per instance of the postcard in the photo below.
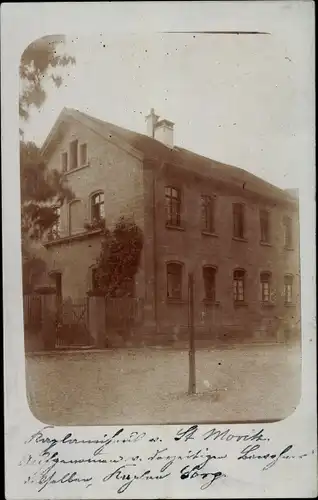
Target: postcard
x,y
158,236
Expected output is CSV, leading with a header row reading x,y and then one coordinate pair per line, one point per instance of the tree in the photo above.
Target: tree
x,y
119,259
42,191
40,61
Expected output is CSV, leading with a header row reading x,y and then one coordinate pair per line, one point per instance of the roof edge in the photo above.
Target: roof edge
x,y
71,113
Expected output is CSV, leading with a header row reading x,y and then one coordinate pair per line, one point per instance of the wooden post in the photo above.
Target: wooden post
x,y
192,378
104,340
87,322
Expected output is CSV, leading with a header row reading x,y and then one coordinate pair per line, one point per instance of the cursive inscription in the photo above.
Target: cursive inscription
x,y
163,455
215,434
198,471
248,453
50,476
122,460
39,437
127,477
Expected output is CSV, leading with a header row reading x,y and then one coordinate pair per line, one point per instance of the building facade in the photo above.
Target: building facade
x,y
236,234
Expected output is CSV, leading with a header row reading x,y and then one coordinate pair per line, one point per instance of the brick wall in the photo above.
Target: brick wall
x,y
119,175
110,169
133,188
194,250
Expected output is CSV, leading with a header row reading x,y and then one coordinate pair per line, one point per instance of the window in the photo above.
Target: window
x,y
95,284
207,208
58,284
238,220
265,279
209,282
98,208
75,217
288,288
64,161
73,154
83,154
54,232
287,232
264,225
174,280
239,285
173,206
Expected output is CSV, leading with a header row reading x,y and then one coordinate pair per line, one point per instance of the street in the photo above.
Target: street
x,y
149,386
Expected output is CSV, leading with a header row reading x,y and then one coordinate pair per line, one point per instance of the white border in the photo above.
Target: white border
x,y
22,23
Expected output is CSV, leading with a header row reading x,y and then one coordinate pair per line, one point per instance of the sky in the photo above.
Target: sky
x,y
240,99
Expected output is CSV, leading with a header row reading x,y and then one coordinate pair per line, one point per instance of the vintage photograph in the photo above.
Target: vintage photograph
x,y
160,228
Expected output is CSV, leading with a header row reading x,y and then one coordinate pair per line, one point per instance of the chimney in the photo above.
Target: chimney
x,y
151,120
162,130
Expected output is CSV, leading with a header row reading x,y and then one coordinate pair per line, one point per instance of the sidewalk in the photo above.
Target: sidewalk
x,y
175,347
149,386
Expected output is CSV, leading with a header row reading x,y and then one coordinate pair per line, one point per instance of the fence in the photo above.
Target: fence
x,y
114,320
72,324
85,322
39,321
32,310
38,310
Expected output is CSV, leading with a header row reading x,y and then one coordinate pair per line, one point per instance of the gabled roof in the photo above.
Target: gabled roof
x,y
150,148
106,130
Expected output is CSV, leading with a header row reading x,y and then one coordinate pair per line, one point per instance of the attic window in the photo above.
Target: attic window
x,y
73,154
64,161
83,154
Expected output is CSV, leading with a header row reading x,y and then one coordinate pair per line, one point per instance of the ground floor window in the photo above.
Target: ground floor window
x,y
239,285
209,273
174,280
288,288
265,278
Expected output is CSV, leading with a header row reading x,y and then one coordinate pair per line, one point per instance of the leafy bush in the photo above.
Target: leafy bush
x,y
119,259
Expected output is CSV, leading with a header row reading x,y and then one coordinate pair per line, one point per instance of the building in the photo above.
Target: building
x,y
235,232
